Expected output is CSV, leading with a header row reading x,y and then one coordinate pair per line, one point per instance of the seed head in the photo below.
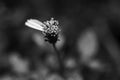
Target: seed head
x,y
51,30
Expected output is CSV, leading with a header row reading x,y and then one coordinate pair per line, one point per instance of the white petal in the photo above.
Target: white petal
x,y
35,24
38,22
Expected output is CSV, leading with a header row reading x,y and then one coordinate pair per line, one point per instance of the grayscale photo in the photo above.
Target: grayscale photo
x,y
59,40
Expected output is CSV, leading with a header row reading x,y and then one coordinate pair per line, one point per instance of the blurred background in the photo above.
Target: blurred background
x,y
89,40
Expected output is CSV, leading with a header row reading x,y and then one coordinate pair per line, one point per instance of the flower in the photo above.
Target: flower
x,y
49,29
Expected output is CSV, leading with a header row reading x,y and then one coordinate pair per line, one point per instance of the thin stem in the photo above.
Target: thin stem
x,y
61,70
58,53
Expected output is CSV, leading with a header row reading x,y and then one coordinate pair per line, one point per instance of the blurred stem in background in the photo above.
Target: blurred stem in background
x,y
111,45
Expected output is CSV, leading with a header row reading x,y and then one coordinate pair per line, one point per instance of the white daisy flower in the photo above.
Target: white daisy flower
x,y
49,29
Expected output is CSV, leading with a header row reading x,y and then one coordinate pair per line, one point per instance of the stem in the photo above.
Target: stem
x,y
61,70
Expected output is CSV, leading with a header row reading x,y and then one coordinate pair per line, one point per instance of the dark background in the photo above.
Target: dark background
x,y
90,31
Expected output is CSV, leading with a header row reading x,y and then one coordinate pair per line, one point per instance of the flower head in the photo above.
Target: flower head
x,y
49,29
